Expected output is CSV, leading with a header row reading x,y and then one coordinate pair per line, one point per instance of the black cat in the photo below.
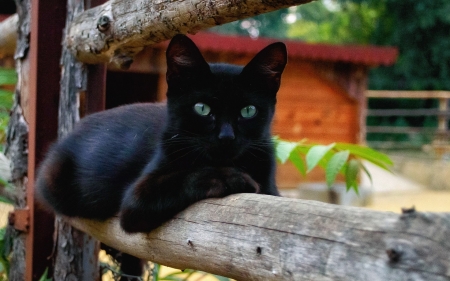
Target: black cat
x,y
148,162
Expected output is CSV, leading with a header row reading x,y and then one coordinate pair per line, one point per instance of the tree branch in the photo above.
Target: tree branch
x,y
8,36
118,29
258,237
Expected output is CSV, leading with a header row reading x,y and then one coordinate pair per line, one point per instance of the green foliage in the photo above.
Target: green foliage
x,y
45,277
153,272
418,28
4,260
335,158
346,23
264,25
420,31
181,275
7,77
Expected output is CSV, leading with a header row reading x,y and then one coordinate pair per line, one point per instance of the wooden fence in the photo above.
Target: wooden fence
x,y
440,135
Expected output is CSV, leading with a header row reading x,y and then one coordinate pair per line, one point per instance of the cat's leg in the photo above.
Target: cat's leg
x,y
156,198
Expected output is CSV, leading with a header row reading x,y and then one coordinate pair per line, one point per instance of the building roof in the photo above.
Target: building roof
x,y
358,54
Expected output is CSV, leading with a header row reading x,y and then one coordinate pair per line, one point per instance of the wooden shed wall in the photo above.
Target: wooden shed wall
x,y
310,106
314,107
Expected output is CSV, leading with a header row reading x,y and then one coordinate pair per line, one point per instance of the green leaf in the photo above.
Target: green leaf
x,y
315,154
335,165
283,150
44,276
221,278
8,76
6,200
155,272
375,157
171,278
351,175
298,162
367,172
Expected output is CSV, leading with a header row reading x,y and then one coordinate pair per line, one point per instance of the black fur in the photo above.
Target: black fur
x,y
148,162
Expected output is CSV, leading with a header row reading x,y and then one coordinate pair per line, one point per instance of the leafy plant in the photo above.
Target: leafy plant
x,y
153,272
182,275
335,158
45,277
8,77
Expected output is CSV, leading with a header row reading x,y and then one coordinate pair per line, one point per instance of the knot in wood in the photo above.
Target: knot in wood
x,y
103,23
394,254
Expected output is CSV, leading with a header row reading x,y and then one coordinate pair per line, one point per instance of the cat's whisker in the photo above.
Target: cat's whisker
x,y
202,152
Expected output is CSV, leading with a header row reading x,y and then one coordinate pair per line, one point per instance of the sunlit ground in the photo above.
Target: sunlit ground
x,y
423,201
392,191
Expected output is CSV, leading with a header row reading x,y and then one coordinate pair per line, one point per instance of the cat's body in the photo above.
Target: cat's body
x,y
86,174
148,162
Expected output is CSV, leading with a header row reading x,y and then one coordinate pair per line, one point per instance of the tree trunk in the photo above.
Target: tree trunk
x,y
76,252
259,237
17,136
119,29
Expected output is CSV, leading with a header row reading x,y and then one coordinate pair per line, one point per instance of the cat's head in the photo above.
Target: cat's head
x,y
221,110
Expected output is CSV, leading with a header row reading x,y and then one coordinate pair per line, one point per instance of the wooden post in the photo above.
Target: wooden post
x,y
47,21
443,119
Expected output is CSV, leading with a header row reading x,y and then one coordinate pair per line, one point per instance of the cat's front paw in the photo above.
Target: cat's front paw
x,y
230,181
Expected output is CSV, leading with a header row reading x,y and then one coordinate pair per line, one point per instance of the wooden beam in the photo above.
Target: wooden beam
x,y
409,94
47,21
260,237
118,29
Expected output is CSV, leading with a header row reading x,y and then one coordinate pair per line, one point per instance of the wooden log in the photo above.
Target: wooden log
x,y
259,237
118,29
75,252
8,36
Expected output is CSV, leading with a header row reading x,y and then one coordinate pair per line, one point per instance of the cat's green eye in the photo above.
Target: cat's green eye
x,y
202,109
249,111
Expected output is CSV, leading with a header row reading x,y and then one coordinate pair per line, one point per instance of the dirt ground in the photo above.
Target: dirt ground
x,y
392,191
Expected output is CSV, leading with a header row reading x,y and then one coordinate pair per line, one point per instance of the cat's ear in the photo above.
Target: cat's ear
x,y
184,60
265,69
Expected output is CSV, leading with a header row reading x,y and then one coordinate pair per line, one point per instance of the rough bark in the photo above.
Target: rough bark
x,y
17,138
119,29
76,252
257,237
8,36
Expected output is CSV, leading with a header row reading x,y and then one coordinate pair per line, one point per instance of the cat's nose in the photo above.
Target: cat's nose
x,y
226,132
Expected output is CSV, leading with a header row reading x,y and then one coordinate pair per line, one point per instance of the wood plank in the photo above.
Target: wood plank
x,y
400,130
407,112
315,112
408,94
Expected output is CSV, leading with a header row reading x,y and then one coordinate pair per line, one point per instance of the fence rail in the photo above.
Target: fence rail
x,y
440,134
